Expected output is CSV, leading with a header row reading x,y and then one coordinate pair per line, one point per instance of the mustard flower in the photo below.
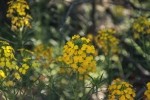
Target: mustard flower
x,y
9,83
27,62
78,54
107,41
43,54
12,70
23,68
8,63
141,27
17,76
120,90
7,55
147,92
2,74
17,12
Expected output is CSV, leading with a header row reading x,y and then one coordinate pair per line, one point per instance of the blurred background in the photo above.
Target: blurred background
x,y
55,21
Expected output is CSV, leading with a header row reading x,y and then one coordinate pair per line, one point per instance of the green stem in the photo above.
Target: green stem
x,y
121,70
108,61
83,85
20,39
76,86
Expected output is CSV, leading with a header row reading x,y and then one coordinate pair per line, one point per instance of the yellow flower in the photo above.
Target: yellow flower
x,y
90,49
8,51
70,44
18,15
2,64
22,70
148,85
85,39
17,76
123,98
9,83
120,90
75,37
2,74
43,54
8,64
78,53
107,41
25,66
147,92
140,27
81,70
10,72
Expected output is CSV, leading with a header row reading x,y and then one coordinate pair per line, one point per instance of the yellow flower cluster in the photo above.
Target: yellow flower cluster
x,y
141,26
107,41
12,70
8,64
78,53
27,62
18,15
120,90
43,54
147,92
28,67
6,56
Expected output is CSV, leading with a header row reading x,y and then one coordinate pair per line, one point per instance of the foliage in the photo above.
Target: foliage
x,y
73,49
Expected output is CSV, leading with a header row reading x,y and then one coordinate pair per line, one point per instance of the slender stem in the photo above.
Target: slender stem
x,y
108,61
121,70
83,86
76,86
20,39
